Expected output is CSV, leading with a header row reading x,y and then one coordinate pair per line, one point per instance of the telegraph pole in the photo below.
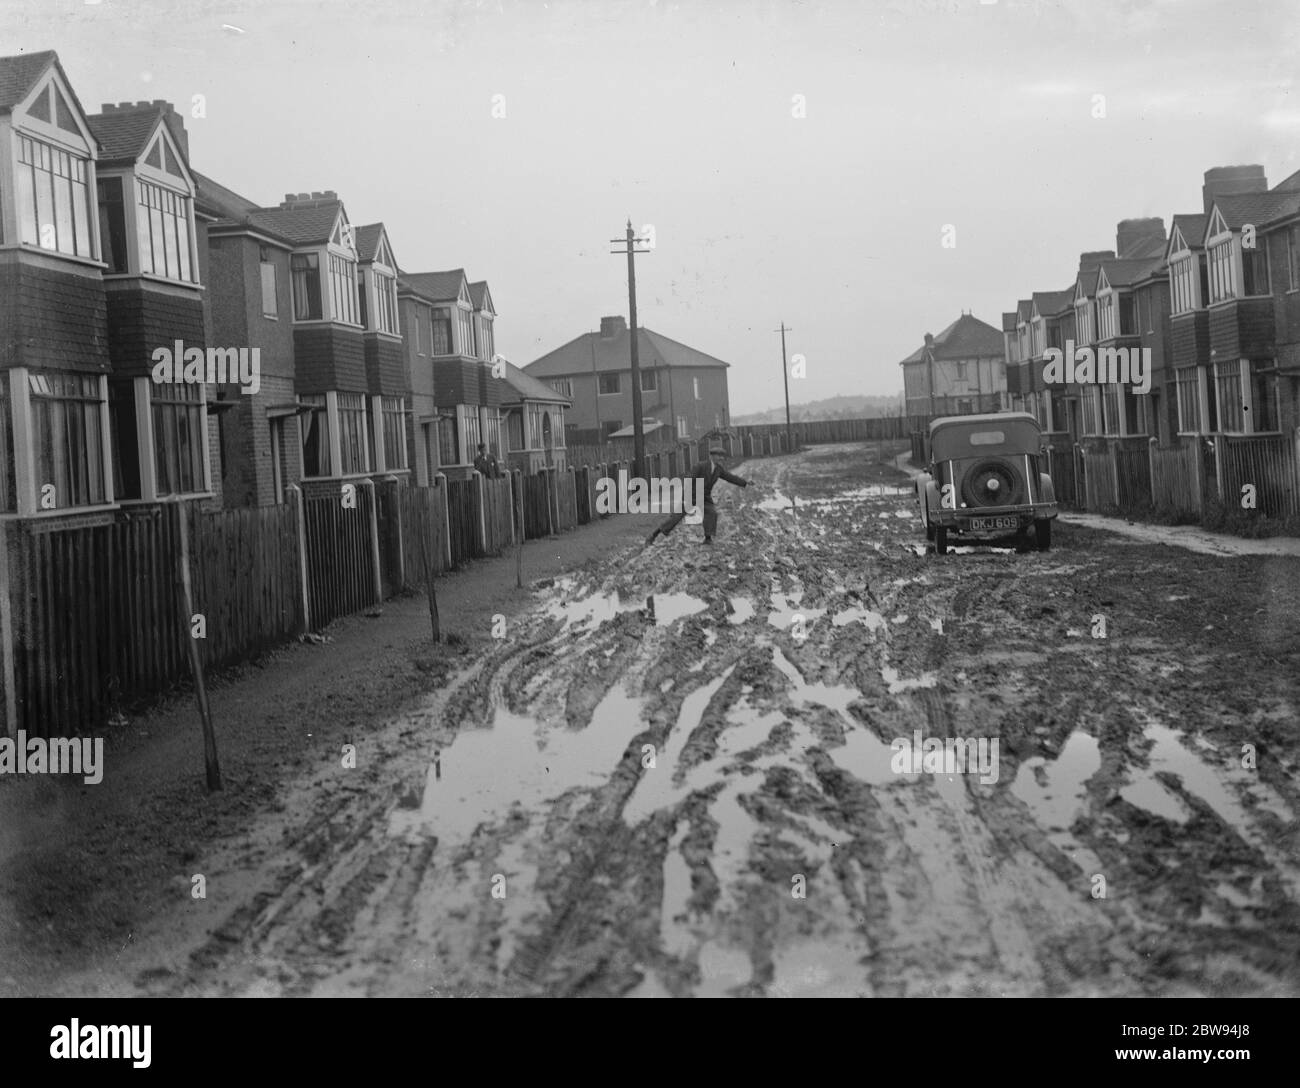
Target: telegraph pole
x,y
638,430
785,378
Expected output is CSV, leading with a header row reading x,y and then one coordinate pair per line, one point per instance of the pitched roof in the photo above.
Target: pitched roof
x,y
592,351
1257,208
1023,309
367,238
477,293
1288,184
1123,273
1192,227
1050,303
525,387
965,338
19,74
229,208
436,286
1009,321
303,225
122,135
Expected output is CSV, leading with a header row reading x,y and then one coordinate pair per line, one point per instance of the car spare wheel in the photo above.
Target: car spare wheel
x,y
993,483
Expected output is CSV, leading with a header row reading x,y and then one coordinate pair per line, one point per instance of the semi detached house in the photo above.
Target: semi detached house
x,y
113,246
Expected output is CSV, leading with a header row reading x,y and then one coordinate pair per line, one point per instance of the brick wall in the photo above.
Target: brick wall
x,y
1242,330
1189,336
142,319
328,358
386,373
50,317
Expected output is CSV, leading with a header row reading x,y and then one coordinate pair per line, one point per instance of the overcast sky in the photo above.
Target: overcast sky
x,y
917,115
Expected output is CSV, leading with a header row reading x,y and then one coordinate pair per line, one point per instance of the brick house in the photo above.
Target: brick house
x,y
962,370
457,403
681,386
101,266
533,422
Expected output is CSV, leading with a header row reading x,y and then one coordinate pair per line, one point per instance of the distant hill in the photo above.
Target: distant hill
x,y
850,407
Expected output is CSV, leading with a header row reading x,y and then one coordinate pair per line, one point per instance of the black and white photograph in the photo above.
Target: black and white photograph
x,y
632,499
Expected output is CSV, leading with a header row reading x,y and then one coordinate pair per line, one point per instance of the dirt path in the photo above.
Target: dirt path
x,y
673,774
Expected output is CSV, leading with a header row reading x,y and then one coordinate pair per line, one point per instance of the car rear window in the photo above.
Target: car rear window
x,y
987,438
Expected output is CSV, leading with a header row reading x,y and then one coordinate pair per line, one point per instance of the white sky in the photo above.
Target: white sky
x,y
918,115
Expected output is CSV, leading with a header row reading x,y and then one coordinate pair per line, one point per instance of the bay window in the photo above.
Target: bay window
x,y
162,228
53,198
441,332
67,439
1221,271
112,224
343,289
394,418
1254,268
315,428
466,331
1182,279
352,433
386,310
1189,400
448,439
1227,383
1091,399
178,420
1110,409
1263,395
305,273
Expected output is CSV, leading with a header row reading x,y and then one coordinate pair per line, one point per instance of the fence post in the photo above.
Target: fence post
x,y
301,506
552,501
374,540
7,637
391,489
441,484
479,500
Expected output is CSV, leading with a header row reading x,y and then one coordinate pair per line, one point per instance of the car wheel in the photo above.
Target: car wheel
x,y
940,540
1043,531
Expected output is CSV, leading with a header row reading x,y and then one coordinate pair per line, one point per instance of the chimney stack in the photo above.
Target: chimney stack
x,y
175,124
1232,181
612,326
1139,237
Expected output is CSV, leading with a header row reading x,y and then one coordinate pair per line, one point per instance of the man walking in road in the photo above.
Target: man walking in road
x,y
707,473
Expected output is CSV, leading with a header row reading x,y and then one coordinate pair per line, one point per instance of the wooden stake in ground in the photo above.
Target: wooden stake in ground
x,y
211,764
519,550
426,553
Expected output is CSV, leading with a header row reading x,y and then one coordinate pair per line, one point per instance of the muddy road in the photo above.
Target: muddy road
x,y
673,775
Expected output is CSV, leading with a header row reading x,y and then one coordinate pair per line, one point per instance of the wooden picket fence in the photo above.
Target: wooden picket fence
x,y
462,521
1268,463
1176,478
498,519
340,555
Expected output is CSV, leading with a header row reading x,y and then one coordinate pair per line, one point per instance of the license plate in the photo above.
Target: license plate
x,y
994,523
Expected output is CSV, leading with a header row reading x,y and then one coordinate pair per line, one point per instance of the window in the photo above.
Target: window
x,y
608,384
417,323
489,339
563,386
362,300
1188,401
1221,271
67,438
473,432
1091,410
178,420
343,290
1263,396
683,428
649,381
162,229
386,295
112,224
1083,323
53,199
352,433
1182,279
1293,255
609,426
7,489
696,382
1110,409
1053,341
394,409
1133,405
448,439
1227,384
1127,315
315,426
465,329
305,272
442,335
270,304
1106,316
1254,268
961,368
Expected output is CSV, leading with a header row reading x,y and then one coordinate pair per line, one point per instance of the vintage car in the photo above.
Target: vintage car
x,y
984,482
